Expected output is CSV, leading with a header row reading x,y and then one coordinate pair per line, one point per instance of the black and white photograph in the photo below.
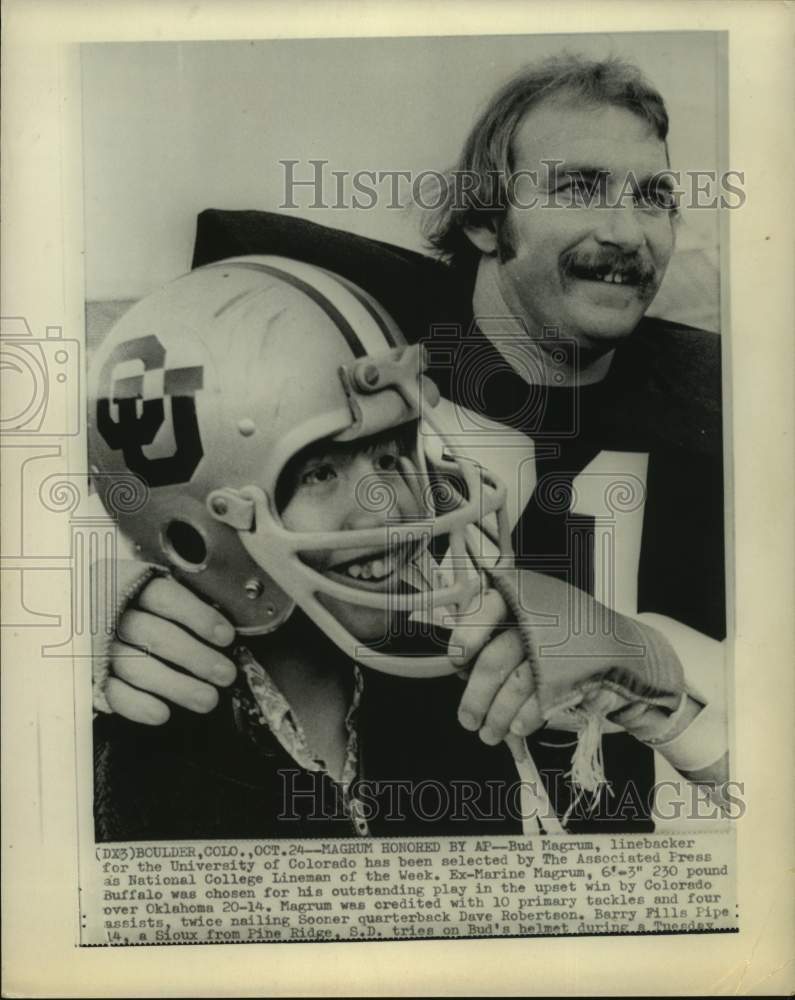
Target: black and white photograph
x,y
429,537
400,494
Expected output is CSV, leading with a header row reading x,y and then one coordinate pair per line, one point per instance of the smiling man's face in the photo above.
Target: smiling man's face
x,y
589,270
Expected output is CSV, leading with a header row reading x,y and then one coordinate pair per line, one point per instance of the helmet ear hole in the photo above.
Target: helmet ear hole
x,y
185,545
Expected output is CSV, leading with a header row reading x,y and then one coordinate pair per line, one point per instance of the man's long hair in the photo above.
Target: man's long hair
x,y
475,194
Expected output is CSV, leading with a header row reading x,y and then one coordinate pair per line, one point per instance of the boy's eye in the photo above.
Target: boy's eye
x,y
387,462
319,475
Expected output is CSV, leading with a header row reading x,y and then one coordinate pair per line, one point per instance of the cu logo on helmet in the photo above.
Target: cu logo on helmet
x,y
139,401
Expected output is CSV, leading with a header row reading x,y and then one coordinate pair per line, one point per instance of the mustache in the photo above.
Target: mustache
x,y
633,268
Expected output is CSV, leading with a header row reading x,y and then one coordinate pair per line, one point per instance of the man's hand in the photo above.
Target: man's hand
x,y
579,641
179,635
499,680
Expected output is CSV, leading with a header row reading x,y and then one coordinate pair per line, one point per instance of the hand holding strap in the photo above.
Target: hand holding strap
x,y
593,676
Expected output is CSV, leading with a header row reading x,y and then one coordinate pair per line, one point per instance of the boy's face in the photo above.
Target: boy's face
x,y
349,487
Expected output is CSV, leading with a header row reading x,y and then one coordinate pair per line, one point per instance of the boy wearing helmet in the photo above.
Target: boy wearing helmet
x,y
296,481
272,412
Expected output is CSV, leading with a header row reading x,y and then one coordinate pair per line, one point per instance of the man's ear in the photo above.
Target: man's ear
x,y
483,237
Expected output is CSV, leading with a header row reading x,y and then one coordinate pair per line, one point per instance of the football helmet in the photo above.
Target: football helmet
x,y
207,388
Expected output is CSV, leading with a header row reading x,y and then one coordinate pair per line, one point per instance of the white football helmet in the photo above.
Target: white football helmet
x,y
208,387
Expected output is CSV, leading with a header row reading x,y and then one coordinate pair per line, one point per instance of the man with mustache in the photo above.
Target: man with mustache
x,y
560,244
556,231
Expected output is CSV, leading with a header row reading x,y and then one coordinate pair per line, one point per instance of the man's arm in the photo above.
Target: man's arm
x,y
179,634
637,664
166,648
697,745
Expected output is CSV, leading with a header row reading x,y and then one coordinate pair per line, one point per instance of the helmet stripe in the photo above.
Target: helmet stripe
x,y
328,307
364,301
371,327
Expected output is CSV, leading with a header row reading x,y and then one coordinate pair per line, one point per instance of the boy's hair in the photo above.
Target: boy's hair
x,y
487,154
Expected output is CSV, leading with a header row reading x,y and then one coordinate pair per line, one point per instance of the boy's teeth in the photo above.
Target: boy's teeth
x,y
376,569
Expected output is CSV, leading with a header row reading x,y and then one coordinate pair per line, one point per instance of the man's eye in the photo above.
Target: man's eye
x,y
580,192
319,475
661,199
568,193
